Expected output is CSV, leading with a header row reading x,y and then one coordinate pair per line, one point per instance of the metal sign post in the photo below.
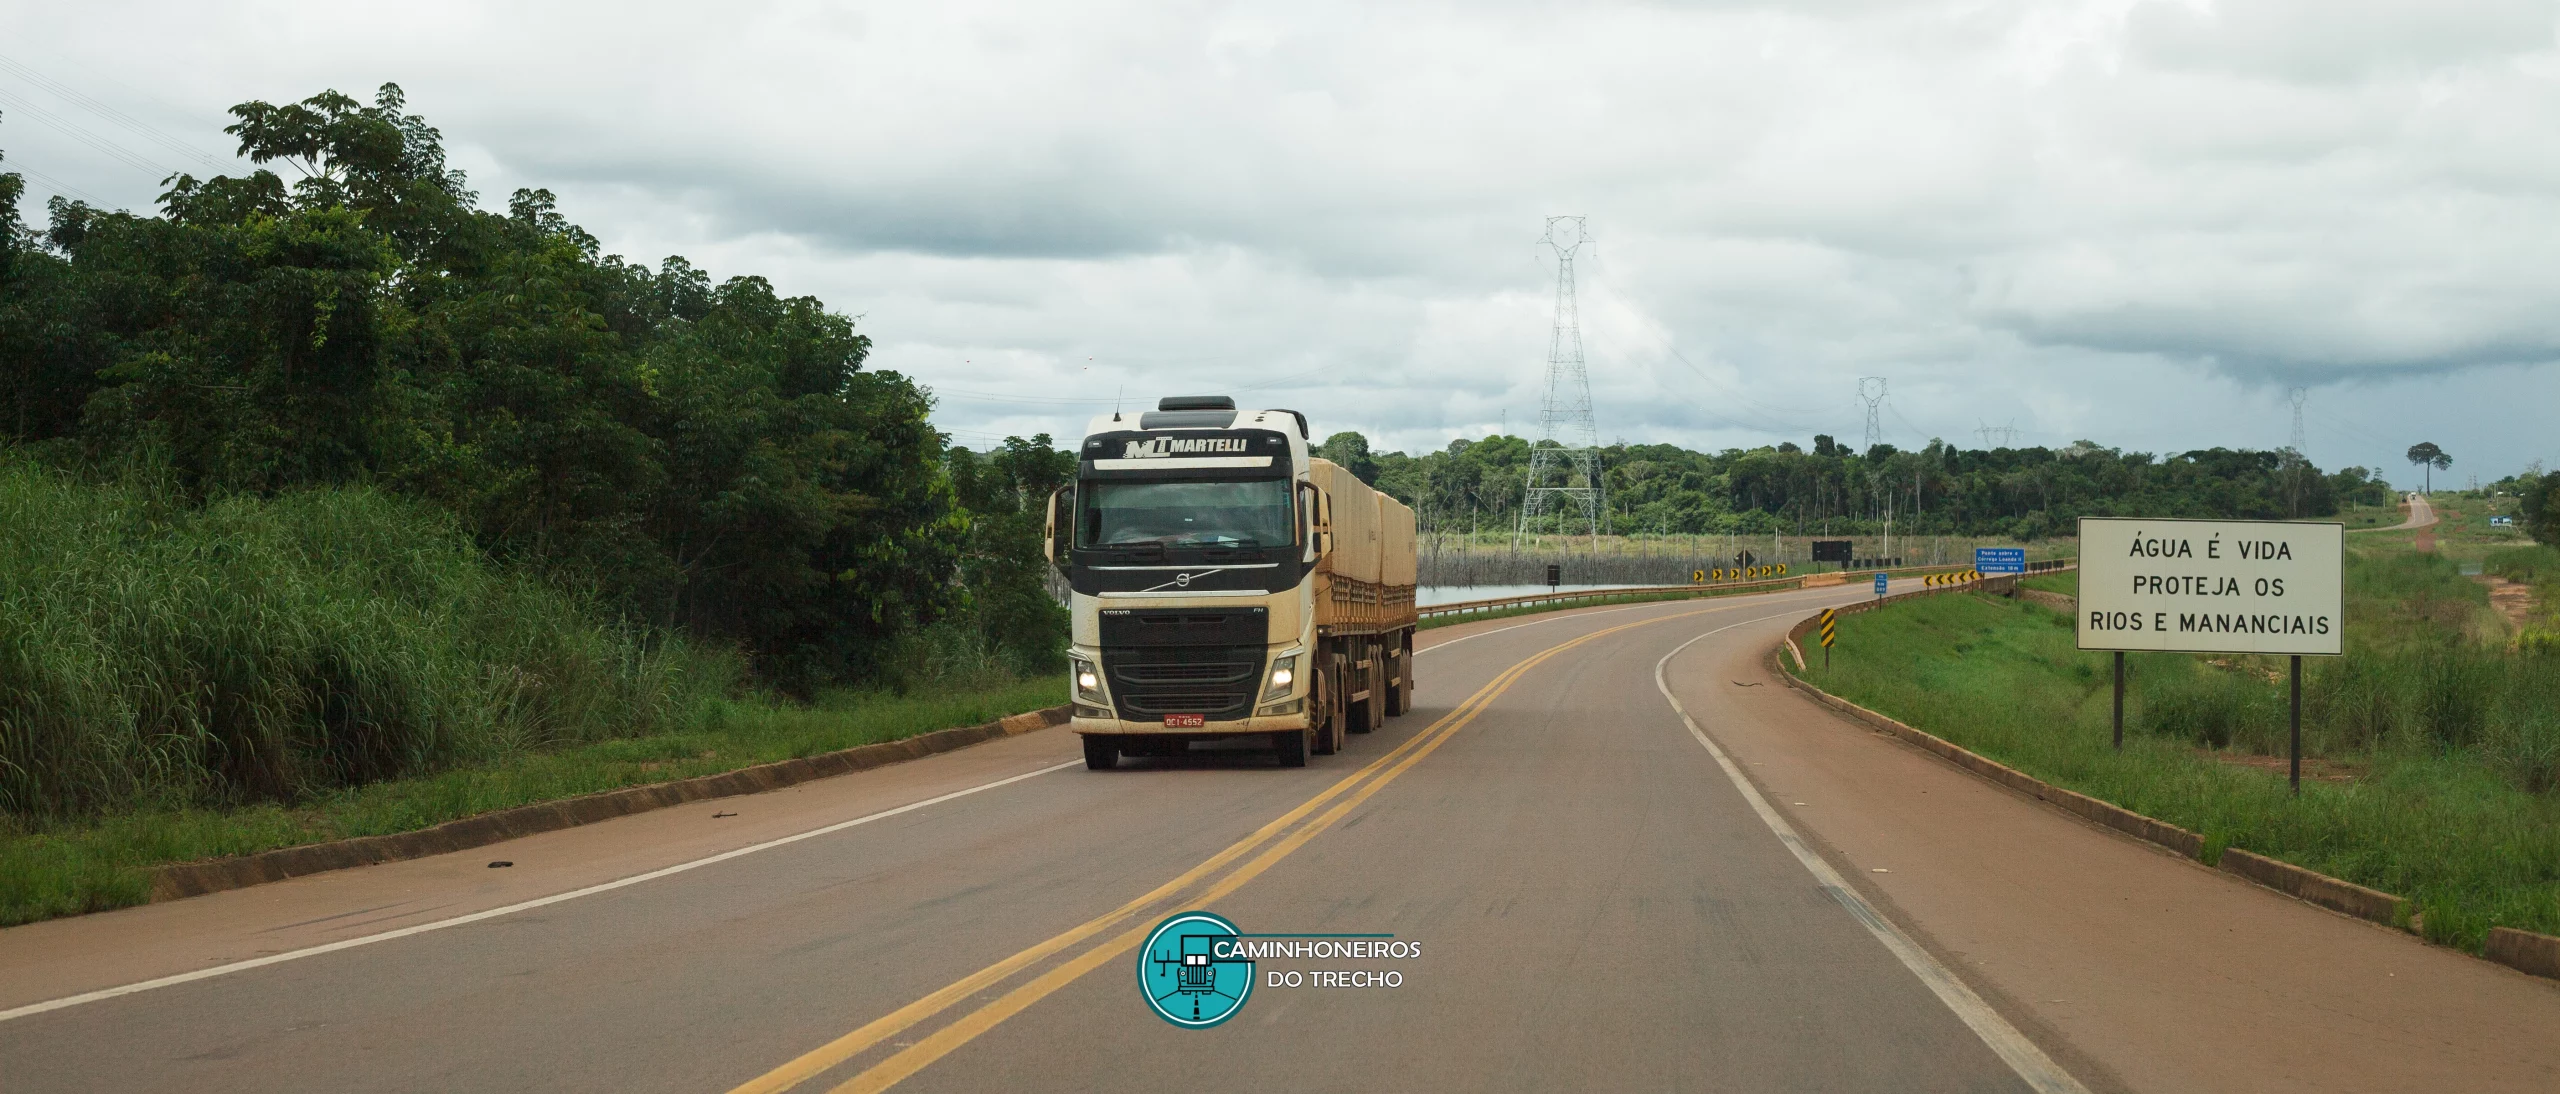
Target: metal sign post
x,y
2213,586
2296,727
2119,700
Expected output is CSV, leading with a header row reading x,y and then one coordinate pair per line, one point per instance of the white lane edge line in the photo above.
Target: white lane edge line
x,y
493,913
2004,1040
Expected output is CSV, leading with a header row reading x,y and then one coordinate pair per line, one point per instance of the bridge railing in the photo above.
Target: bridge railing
x,y
1505,603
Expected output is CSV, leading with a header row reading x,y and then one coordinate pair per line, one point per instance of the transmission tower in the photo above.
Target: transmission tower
x,y
1564,461
1996,436
1871,392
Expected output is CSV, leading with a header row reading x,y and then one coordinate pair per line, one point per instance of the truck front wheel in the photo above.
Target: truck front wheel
x,y
1101,753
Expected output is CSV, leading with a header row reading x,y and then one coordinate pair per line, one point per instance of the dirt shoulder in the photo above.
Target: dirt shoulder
x,y
2151,971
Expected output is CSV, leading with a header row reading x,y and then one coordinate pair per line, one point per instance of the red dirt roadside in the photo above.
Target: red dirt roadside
x,y
2150,971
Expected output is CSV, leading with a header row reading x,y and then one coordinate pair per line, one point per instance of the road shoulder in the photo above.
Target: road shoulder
x,y
2165,974
62,957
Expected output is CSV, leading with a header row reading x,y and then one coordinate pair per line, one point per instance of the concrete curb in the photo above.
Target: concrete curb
x,y
186,879
2523,951
2318,888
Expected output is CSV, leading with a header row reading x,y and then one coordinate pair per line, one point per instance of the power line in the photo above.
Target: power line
x,y
74,96
1779,416
78,132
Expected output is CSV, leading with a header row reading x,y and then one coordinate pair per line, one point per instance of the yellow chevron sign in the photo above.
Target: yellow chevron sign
x,y
1828,624
1958,578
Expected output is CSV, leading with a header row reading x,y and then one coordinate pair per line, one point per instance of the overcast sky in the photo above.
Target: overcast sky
x,y
2133,222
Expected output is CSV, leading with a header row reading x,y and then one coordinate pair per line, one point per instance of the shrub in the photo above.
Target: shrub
x,y
269,649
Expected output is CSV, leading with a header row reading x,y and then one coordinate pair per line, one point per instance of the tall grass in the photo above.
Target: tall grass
x,y
2533,564
159,654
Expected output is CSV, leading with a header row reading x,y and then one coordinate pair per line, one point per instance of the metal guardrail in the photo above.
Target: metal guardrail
x,y
1475,607
1470,607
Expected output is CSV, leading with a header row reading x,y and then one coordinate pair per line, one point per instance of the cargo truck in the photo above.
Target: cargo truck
x,y
1228,584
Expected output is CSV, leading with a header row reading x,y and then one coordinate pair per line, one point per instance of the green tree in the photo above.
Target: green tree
x,y
2426,455
2539,498
710,456
1351,450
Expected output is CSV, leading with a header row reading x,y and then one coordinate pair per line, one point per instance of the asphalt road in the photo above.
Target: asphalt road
x,y
1601,901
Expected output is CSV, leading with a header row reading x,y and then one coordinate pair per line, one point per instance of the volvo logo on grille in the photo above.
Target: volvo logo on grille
x,y
1182,579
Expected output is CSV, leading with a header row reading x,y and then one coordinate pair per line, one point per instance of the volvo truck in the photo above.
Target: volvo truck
x,y
1227,584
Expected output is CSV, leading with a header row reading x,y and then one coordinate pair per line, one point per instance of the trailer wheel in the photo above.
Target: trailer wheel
x,y
1291,747
1400,694
1371,714
1101,753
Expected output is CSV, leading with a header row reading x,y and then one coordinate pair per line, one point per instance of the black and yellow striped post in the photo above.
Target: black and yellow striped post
x,y
1830,633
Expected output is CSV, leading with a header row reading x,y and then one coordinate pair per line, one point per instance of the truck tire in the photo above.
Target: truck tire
x,y
1372,715
1101,753
1400,693
1327,730
1290,745
1337,688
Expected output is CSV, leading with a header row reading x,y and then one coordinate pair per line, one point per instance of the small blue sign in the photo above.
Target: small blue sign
x,y
1879,584
2000,560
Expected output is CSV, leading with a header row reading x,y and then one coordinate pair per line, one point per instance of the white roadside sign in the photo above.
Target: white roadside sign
x,y
2210,586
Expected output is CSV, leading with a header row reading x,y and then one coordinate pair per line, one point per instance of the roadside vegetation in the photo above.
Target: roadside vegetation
x,y
65,869
334,504
2432,748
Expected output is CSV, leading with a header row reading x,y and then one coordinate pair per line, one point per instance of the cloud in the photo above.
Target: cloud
x,y
2075,213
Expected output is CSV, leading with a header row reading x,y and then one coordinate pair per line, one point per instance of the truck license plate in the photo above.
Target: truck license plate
x,y
1185,721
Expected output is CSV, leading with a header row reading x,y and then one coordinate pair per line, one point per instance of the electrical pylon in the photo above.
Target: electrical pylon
x,y
1871,392
1564,460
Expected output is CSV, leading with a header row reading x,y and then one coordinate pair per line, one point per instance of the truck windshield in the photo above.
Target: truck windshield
x,y
1185,514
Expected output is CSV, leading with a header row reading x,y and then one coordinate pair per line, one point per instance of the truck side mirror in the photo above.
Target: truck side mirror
x,y
1061,525
1324,523
1316,521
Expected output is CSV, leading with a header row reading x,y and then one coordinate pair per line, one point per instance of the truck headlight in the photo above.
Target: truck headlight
x,y
1088,679
1284,673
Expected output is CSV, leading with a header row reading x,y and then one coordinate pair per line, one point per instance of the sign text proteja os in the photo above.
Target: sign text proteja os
x,y
2210,586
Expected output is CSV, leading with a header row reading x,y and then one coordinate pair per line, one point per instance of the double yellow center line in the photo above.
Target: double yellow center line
x,y
1276,841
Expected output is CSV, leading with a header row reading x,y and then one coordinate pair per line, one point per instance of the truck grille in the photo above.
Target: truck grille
x,y
1150,682
1223,672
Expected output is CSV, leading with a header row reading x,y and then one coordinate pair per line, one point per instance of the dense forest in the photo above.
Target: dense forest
x,y
710,458
2023,493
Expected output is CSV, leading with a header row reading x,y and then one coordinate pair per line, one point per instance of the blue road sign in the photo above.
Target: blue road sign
x,y
1879,584
2000,560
